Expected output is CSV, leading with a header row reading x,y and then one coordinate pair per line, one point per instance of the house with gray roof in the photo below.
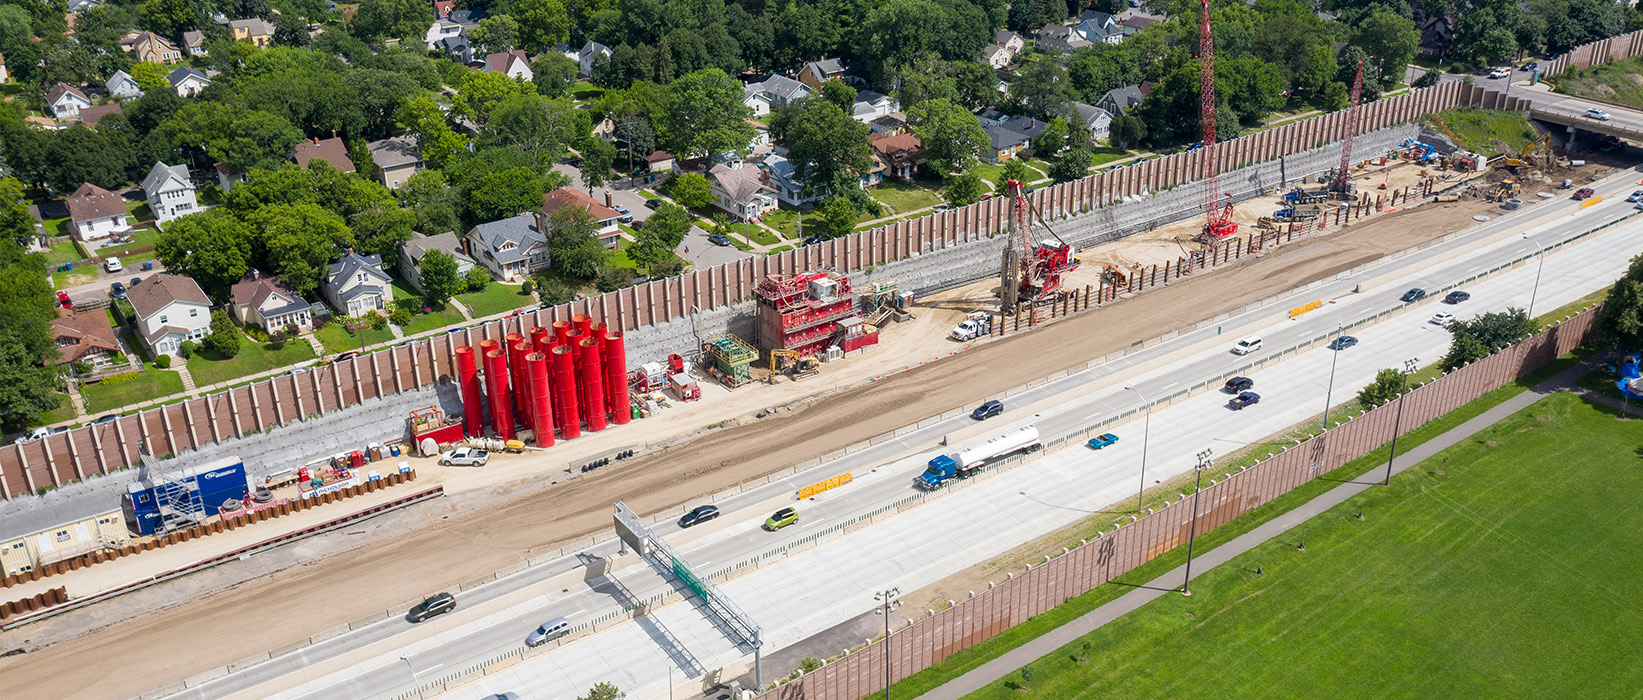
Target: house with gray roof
x,y
1118,101
871,105
815,73
266,301
356,284
512,248
1060,37
1011,41
586,56
194,43
772,93
413,251
741,191
121,86
170,192
187,81
395,159
1097,120
1002,144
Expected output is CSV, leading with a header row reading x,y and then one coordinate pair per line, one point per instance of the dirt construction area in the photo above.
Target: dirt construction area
x,y
521,506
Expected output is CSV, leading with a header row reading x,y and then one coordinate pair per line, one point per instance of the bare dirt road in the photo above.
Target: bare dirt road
x,y
216,629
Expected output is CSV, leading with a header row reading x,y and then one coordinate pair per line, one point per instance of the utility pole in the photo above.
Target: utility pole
x,y
1408,369
1146,437
1541,251
888,599
1328,393
1205,460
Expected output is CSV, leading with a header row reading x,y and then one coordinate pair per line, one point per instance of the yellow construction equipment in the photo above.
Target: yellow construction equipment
x,y
1504,191
1521,159
797,366
1114,275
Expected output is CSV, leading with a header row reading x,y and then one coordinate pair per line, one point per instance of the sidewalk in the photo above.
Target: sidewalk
x,y
1170,583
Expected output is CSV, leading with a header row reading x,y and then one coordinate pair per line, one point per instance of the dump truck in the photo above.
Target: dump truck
x,y
963,463
1300,196
975,325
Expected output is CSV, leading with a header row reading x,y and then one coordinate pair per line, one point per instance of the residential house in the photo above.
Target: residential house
x,y
512,249
605,129
356,284
84,337
761,138
1011,41
5,75
83,6
412,251
996,57
95,213
396,160
1095,119
609,234
1098,31
443,8
772,93
264,300
1437,34
659,162
194,43
781,178
1118,101
741,191
151,47
450,38
121,86
187,81
170,192
256,30
901,154
65,101
92,116
889,125
170,309
1003,144
331,150
589,52
870,105
815,73
510,63
1060,37
227,177
1134,24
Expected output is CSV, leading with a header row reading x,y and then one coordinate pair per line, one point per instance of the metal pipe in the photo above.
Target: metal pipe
x,y
616,377
522,390
516,372
593,390
473,411
564,384
496,376
541,414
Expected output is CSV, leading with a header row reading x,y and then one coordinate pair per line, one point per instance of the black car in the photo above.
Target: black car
x,y
1237,384
1415,294
653,203
117,290
719,239
434,605
1457,297
1246,399
699,515
110,418
813,240
987,410
1343,342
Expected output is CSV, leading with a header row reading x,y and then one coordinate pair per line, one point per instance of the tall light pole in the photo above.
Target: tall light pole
x,y
1146,435
1541,251
1328,393
888,599
1205,460
1408,369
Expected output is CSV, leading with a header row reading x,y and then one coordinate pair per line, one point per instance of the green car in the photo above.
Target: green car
x,y
782,518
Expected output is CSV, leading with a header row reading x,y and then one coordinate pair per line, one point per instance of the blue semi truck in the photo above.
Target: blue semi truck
x,y
963,463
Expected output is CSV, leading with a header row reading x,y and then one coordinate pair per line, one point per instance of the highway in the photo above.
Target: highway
x,y
802,595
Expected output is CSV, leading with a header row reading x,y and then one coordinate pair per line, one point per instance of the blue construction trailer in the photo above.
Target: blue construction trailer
x,y
159,504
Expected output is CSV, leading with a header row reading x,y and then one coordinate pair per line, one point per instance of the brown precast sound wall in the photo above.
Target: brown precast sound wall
x,y
1036,590
99,449
1614,48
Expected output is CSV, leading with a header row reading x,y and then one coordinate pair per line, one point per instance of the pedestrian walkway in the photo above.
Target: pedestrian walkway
x,y
181,368
461,309
313,342
1170,583
77,402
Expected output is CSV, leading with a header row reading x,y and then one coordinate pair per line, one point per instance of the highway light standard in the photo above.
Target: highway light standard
x,y
1331,390
1408,369
1205,460
888,599
1146,435
1541,266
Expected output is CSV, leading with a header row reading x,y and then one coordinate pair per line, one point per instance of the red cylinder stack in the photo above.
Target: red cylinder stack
x,y
467,380
616,378
593,385
496,379
541,415
564,384
560,328
516,371
486,345
539,339
522,390
582,322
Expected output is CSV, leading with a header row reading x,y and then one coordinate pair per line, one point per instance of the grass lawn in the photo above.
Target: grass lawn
x,y
904,197
1103,156
586,91
429,321
787,222
1474,566
1620,81
253,357
140,238
497,298
80,275
988,172
139,211
336,338
56,227
62,253
756,234
63,412
143,386
1480,129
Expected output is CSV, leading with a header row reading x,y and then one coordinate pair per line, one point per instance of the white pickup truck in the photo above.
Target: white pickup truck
x,y
465,457
977,324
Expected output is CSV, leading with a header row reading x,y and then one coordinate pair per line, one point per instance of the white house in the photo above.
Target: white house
x,y
356,284
65,101
121,86
266,301
1011,41
1095,119
996,56
785,183
170,192
450,38
227,177
741,191
5,76
95,213
413,251
510,248
187,81
589,52
872,105
510,63
170,309
775,91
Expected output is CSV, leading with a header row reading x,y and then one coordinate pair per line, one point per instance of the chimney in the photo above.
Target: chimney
x,y
607,198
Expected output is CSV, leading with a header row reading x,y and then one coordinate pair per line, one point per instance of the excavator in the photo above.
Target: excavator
x,y
1521,158
797,366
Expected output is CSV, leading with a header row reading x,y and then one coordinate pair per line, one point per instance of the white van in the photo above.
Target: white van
x,y
1247,345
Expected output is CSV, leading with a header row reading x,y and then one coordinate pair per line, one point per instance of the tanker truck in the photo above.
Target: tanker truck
x,y
963,463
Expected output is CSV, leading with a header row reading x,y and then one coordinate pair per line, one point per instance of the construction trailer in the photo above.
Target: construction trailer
x,y
729,359
155,505
811,311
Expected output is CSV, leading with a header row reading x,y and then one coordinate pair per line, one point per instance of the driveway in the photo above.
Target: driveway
x,y
100,288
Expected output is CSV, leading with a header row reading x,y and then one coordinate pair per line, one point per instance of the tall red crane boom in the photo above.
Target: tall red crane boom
x,y
1343,181
1220,223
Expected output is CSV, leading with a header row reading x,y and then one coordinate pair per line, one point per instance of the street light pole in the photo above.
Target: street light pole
x,y
887,601
1205,459
1329,392
1408,369
1541,251
1146,437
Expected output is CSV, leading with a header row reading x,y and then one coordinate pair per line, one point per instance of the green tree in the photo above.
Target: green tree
x,y
1390,40
841,95
400,19
692,190
964,188
299,241
439,278
828,149
571,243
554,74
479,92
431,200
213,247
1428,79
597,157
543,24
239,138
1072,165
1388,384
669,224
150,76
170,17
495,34
537,125
477,280
1056,137
1043,89
837,217
224,339
604,691
648,248
79,155
705,115
952,136
423,117
1127,130
16,225
1619,324
28,353
1013,170
1486,334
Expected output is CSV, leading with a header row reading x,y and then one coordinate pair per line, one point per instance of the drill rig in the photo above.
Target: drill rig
x,y
1032,267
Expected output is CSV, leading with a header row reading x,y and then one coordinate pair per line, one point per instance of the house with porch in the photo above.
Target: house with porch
x,y
512,249
65,101
84,337
170,309
94,213
606,218
170,192
265,300
510,63
413,251
121,86
356,284
900,154
741,191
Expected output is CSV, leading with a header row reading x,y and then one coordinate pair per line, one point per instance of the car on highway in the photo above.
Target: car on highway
x,y
1584,193
1244,400
626,216
719,239
1415,294
1457,297
1237,384
653,203
113,264
699,515
988,410
1634,196
437,604
502,696
1343,342
1597,114
64,301
117,290
1102,440
549,631
781,518
1500,73
1246,346
1441,318
465,457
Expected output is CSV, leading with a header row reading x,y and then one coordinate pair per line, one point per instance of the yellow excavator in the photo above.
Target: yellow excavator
x,y
797,366
1521,158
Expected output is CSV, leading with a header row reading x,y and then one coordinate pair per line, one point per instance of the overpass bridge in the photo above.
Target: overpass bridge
x,y
1622,123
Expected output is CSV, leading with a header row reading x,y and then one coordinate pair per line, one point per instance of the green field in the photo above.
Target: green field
x,y
1502,567
1484,130
335,338
497,298
207,368
1620,81
430,321
148,385
903,197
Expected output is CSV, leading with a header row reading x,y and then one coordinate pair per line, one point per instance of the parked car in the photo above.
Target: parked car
x,y
638,225
1415,294
987,410
1441,318
653,203
110,418
437,604
1584,193
1237,384
549,631
1102,440
1244,400
117,290
942,207
813,240
626,216
134,281
346,356
113,264
64,301
1597,114
38,434
1457,297
719,239
781,518
1343,342
699,515
1500,73
465,457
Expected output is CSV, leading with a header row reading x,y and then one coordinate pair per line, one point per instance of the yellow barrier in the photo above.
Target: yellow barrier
x,y
1591,201
832,483
1305,308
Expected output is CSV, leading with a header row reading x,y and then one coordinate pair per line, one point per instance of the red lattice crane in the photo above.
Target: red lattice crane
x,y
1220,223
1343,178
